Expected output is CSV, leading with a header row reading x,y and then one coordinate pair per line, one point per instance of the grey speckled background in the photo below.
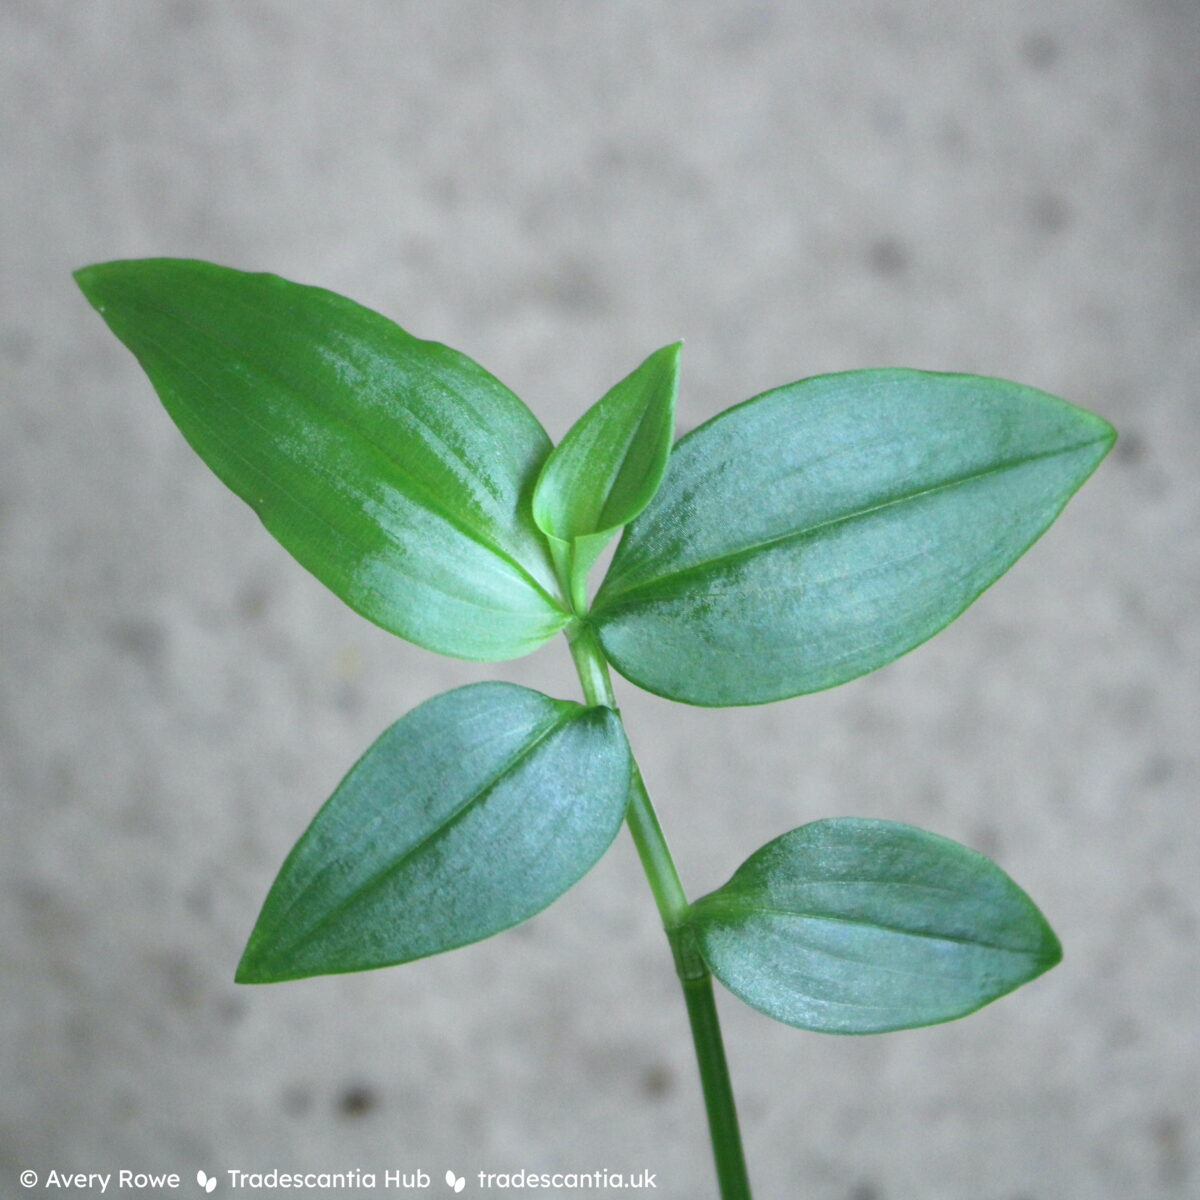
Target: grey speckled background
x,y
558,188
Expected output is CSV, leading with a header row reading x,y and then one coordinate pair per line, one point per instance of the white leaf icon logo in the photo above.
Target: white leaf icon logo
x,y
457,1182
207,1183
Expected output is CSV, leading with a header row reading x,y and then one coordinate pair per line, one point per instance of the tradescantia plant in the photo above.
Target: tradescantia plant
x,y
794,542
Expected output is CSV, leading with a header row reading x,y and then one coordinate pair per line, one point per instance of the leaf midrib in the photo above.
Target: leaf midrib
x,y
623,595
731,907
632,438
378,879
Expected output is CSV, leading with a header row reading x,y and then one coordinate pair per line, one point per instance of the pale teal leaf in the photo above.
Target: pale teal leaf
x,y
469,815
821,530
860,926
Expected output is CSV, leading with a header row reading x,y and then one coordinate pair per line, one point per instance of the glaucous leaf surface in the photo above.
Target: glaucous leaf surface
x,y
861,926
398,471
820,530
467,816
609,465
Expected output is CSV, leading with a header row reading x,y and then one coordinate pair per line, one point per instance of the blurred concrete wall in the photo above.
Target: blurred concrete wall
x,y
557,189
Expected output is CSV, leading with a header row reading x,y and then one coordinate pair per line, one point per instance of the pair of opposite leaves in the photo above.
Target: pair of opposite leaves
x,y
792,543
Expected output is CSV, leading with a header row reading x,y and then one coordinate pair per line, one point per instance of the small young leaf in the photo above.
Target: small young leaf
x,y
467,816
609,465
858,926
819,531
398,471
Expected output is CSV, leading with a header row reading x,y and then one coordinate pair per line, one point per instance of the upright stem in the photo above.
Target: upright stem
x,y
689,965
718,1092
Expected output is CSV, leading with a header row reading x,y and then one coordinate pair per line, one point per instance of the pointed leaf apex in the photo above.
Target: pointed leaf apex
x,y
610,464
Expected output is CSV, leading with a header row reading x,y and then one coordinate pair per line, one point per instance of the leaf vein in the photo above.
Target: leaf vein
x,y
621,597
380,878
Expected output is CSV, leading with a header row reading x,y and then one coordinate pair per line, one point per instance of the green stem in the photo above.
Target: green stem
x,y
718,1091
591,665
656,858
689,965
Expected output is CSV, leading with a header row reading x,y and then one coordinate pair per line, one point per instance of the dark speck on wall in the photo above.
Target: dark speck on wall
x,y
253,601
16,345
1167,1129
866,1190
185,14
575,288
1049,213
138,638
1130,447
358,1100
987,839
888,257
230,1010
747,29
1156,770
658,1081
348,698
1040,50
297,1100
954,142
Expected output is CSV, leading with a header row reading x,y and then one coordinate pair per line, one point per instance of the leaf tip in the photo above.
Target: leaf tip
x,y
1051,951
96,280
253,967
246,973
669,356
88,278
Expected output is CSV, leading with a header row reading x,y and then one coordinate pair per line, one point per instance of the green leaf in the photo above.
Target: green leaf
x,y
396,470
609,465
857,926
819,531
467,816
